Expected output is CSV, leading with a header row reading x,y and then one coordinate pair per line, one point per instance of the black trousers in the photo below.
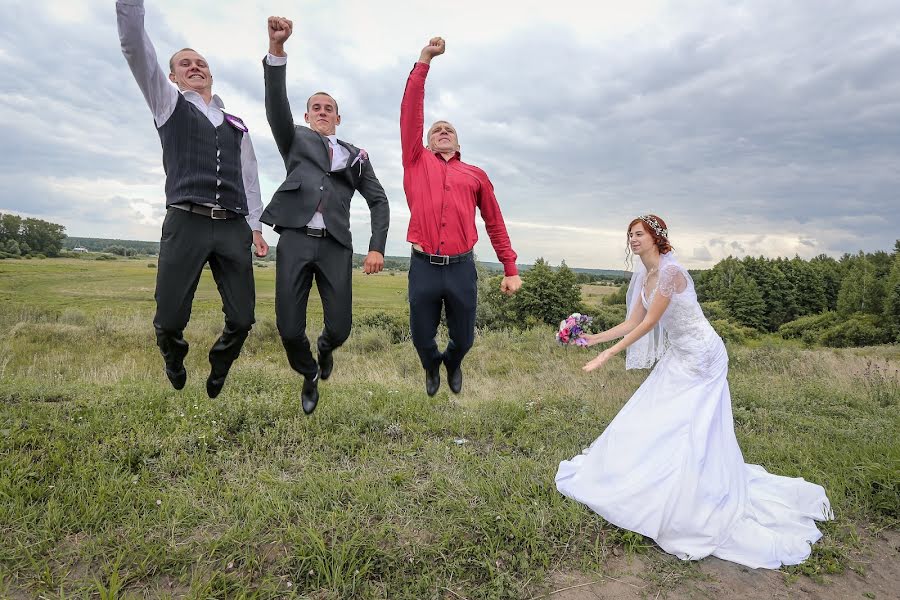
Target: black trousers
x,y
189,241
300,260
453,287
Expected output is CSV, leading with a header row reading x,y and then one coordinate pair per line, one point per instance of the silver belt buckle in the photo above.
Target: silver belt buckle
x,y
318,232
443,259
222,211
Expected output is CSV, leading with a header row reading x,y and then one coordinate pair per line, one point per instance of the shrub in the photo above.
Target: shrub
x,y
832,329
714,310
618,297
396,326
372,341
547,296
810,326
606,316
734,332
858,330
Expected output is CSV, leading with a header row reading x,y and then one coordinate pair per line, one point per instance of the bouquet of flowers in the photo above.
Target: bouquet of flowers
x,y
573,330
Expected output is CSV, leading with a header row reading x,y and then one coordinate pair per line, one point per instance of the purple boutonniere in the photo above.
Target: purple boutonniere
x,y
362,157
236,122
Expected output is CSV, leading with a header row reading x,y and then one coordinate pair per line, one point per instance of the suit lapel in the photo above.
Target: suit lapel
x,y
353,153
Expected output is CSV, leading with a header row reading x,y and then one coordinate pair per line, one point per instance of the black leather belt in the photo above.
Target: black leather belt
x,y
314,231
443,259
216,213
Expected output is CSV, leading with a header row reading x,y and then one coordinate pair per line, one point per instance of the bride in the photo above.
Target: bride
x,y
668,466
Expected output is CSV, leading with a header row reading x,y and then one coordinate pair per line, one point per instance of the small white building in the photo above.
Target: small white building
x,y
79,249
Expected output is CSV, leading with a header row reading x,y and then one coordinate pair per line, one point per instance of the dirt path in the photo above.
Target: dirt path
x,y
647,577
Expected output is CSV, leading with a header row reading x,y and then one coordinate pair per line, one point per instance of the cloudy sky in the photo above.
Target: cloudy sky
x,y
751,126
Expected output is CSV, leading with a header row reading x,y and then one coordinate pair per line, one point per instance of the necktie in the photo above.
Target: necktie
x,y
330,163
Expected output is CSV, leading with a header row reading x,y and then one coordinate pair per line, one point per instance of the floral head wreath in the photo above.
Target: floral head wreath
x,y
655,225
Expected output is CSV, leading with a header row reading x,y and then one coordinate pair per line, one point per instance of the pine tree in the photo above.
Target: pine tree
x,y
892,299
744,301
809,285
860,289
777,292
832,273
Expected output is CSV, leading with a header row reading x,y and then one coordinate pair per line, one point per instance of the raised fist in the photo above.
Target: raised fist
x,y
435,47
280,29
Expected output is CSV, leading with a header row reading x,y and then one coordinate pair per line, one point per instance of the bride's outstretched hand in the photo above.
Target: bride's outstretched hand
x,y
598,362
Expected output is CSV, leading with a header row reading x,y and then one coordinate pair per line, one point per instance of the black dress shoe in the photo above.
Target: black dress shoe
x,y
454,380
177,376
432,380
326,364
214,384
309,397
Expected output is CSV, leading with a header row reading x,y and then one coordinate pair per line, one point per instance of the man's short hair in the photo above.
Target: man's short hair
x,y
172,58
435,124
309,101
439,121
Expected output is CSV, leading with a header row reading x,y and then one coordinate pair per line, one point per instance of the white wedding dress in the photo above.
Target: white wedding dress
x,y
669,467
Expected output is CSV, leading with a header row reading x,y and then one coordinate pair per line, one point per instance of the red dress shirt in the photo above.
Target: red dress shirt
x,y
442,194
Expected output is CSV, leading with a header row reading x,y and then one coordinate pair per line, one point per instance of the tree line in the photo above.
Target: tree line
x,y
29,237
850,301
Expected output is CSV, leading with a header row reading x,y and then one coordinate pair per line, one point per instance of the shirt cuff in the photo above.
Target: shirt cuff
x,y
275,61
510,269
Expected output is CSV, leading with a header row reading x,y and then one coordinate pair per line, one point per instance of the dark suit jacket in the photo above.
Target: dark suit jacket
x,y
309,179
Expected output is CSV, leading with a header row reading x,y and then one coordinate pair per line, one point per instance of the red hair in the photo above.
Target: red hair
x,y
659,240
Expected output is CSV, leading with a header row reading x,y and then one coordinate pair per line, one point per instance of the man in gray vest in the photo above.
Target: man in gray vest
x,y
212,199
311,212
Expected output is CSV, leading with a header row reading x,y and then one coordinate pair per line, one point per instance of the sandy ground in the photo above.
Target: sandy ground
x,y
878,577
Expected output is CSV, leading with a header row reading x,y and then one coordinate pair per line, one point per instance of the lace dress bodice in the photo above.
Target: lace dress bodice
x,y
683,319
684,334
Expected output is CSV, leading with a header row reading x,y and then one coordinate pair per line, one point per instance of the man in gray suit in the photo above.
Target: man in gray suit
x,y
311,212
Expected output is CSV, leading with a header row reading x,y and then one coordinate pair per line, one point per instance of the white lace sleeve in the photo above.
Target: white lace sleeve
x,y
672,281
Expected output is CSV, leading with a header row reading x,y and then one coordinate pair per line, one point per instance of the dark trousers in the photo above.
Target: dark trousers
x,y
300,260
188,242
453,287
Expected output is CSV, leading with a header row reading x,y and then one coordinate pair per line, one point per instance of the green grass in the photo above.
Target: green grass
x,y
114,485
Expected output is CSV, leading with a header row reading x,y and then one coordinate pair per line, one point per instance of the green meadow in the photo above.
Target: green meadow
x,y
113,485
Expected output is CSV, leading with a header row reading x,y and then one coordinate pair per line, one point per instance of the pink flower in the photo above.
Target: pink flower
x,y
362,157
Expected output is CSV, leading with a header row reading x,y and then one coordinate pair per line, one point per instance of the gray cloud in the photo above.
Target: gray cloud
x,y
702,254
729,120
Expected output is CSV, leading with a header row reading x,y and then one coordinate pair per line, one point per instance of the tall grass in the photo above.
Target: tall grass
x,y
114,484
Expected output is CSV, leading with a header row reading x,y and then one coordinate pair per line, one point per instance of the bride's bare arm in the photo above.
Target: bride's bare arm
x,y
623,328
649,321
614,333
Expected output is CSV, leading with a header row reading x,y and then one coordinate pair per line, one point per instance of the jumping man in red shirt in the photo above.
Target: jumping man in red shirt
x,y
443,193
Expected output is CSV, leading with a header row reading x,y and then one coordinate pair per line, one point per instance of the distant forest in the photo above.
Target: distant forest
x,y
396,263
850,301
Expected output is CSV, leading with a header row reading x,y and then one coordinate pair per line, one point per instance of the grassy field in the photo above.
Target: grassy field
x,y
593,294
114,485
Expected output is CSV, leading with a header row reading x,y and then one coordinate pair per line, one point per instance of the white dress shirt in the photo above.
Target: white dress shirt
x,y
162,96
